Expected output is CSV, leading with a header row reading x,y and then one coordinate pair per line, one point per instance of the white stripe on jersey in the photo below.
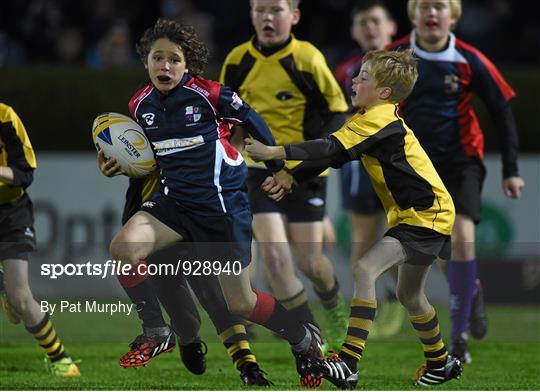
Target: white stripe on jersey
x,y
231,162
450,54
142,98
220,153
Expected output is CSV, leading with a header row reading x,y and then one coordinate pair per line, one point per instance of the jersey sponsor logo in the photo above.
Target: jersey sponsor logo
x,y
193,114
236,102
201,90
149,118
451,83
284,95
170,146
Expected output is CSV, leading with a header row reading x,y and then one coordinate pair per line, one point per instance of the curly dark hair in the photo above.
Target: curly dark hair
x,y
185,36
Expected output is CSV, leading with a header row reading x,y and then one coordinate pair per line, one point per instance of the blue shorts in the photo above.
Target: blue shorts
x,y
221,238
357,193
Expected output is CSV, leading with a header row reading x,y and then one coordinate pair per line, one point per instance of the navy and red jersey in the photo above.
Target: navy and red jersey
x,y
189,129
439,109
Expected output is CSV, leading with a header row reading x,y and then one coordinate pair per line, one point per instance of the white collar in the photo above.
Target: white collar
x,y
449,54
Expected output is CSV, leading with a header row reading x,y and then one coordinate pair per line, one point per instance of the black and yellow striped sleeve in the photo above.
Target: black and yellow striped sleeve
x,y
16,150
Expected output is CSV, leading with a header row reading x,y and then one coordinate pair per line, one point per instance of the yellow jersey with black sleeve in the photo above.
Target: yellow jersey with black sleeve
x,y
17,153
402,174
292,89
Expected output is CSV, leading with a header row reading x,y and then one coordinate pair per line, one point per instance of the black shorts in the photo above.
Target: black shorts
x,y
216,238
464,182
422,245
357,193
17,235
306,203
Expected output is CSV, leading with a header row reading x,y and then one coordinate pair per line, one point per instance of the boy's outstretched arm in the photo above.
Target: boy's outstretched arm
x,y
317,155
328,147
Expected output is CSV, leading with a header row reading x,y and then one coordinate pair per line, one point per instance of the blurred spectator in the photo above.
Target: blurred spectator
x,y
64,31
184,12
70,47
40,26
11,53
114,49
481,24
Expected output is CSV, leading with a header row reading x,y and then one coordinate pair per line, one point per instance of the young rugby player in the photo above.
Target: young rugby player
x,y
173,292
201,197
440,111
372,28
419,210
288,82
17,240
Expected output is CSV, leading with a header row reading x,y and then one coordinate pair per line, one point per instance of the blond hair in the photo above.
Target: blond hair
x,y
455,8
293,4
396,70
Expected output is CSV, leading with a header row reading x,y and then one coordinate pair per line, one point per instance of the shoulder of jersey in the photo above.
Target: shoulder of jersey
x,y
468,48
305,52
402,42
236,54
5,111
138,97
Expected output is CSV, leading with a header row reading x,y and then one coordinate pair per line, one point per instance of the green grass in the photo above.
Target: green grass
x,y
507,360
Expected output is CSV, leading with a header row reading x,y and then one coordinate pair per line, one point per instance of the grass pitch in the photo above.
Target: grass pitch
x,y
506,360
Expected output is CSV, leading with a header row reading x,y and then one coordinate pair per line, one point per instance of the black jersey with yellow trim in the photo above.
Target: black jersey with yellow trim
x,y
17,153
402,174
292,89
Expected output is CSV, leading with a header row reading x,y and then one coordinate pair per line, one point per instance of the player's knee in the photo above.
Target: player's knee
x,y
463,248
311,267
275,261
122,249
362,271
20,299
412,301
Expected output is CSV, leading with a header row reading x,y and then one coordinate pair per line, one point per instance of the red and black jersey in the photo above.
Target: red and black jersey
x,y
439,109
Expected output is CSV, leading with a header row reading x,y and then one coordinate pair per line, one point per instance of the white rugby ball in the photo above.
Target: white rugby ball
x,y
123,139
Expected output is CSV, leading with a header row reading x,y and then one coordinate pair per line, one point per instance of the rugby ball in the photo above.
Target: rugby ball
x,y
123,139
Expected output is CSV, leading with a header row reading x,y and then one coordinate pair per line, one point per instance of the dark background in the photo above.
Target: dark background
x,y
63,62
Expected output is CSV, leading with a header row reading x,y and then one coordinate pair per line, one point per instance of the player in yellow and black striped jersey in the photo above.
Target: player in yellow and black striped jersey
x,y
420,211
287,81
174,294
17,239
